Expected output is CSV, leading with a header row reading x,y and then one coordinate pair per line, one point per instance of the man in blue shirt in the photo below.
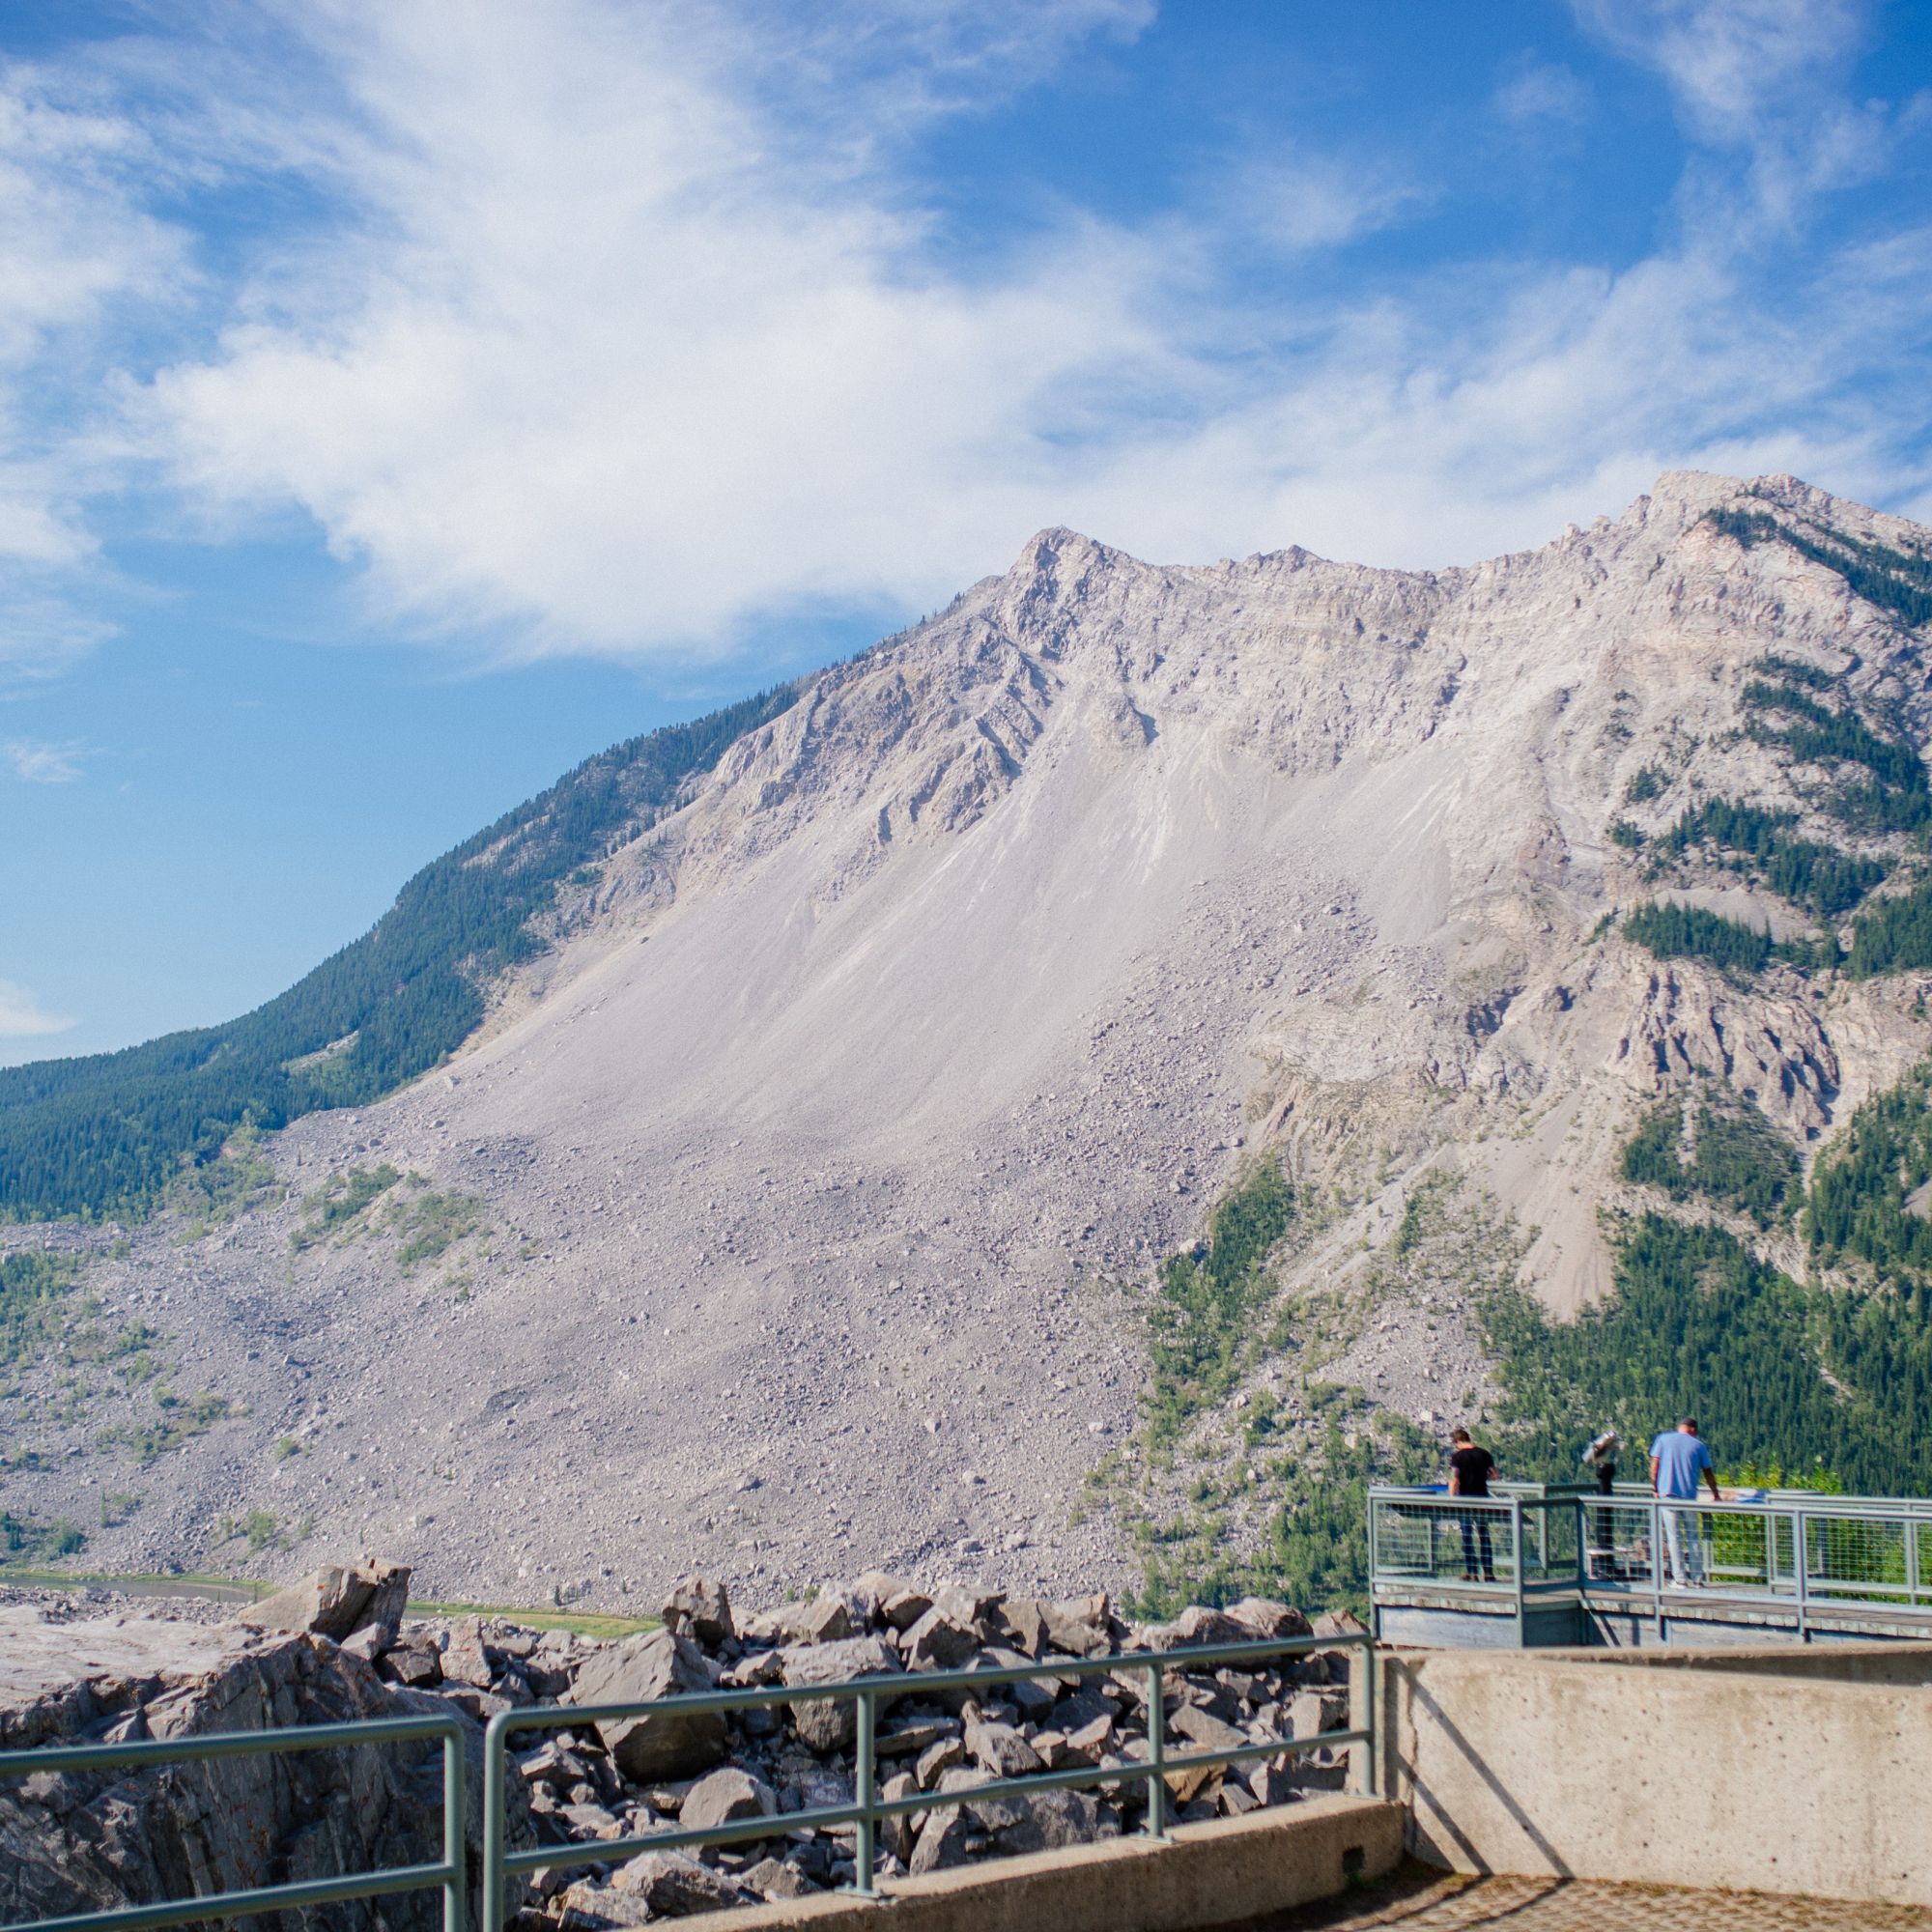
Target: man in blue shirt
x,y
1676,1460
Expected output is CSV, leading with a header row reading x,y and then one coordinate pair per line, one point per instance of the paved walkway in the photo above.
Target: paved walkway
x,y
1417,1902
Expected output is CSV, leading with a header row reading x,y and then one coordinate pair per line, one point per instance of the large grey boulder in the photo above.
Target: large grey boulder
x,y
74,1842
724,1796
829,1723
338,1601
700,1609
660,1745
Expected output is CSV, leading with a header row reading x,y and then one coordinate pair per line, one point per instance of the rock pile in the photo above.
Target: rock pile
x,y
87,1841
603,1781
337,1646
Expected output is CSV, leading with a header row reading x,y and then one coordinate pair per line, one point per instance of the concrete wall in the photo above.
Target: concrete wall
x,y
1221,1873
1779,1771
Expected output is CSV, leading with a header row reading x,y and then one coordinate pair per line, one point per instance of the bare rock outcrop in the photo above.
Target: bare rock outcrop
x,y
74,1842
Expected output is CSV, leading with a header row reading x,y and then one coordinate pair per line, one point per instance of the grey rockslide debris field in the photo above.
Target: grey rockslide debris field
x,y
74,1842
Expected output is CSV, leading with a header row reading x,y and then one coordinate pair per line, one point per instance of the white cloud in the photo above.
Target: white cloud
x,y
24,1017
1538,90
615,328
35,761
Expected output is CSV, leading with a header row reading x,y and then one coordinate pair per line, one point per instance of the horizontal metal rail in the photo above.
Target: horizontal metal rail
x,y
448,1875
867,1809
1804,1553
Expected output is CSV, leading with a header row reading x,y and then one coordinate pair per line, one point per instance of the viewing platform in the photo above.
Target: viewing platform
x,y
1537,1564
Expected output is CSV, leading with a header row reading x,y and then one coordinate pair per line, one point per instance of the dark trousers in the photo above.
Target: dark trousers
x,y
1476,1535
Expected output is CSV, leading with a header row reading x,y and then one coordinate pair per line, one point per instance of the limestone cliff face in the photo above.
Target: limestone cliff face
x,y
964,987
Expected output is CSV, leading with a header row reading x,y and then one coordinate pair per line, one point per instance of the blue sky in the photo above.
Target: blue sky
x,y
399,402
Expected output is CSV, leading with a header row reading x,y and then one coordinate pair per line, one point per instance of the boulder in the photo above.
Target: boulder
x,y
659,1743
1082,1625
1195,1625
80,1843
773,1879
653,1886
336,1601
465,1661
904,1607
726,1795
941,1640
1205,1731
942,1842
1310,1713
1262,1617
937,1760
826,1619
829,1723
1002,1751
1042,1821
700,1611
895,1832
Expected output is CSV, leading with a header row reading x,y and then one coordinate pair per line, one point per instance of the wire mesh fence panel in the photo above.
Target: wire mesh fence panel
x,y
1617,1538
1451,1540
1861,1557
1741,1550
1551,1533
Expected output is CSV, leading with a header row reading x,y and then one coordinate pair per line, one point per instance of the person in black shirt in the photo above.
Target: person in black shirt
x,y
1469,1471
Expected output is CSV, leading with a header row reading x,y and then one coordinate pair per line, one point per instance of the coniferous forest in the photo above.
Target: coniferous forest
x,y
106,1133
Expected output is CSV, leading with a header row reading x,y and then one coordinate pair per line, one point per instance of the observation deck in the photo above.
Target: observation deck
x,y
1537,1564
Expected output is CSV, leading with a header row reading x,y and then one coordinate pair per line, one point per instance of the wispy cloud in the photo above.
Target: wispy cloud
x,y
1537,89
611,328
24,1017
37,763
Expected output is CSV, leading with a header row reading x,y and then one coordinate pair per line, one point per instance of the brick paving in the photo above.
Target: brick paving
x,y
1419,1902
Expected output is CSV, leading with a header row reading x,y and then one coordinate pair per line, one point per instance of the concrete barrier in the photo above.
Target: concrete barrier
x,y
1779,1771
1204,1875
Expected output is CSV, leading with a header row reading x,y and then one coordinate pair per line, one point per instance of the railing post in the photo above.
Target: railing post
x,y
1156,1825
1804,1569
1911,1561
863,1777
455,1837
490,1917
1362,1717
1516,1556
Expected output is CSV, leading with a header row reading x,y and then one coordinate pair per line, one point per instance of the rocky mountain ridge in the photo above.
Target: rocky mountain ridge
x,y
805,1190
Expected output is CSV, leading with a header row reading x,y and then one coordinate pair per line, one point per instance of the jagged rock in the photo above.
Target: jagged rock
x,y
1042,1821
726,1794
465,1660
1310,1713
1002,1750
1082,1625
1338,1623
656,1885
941,1640
415,1657
1195,1625
942,1843
336,1602
662,1744
1204,1730
904,1607
79,1843
701,1611
828,1724
917,1734
935,1762
773,1879
826,1619
896,1836
1261,1617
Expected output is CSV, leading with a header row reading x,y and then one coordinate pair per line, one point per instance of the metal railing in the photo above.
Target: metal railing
x,y
868,1810
864,1815
448,1875
1797,1549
